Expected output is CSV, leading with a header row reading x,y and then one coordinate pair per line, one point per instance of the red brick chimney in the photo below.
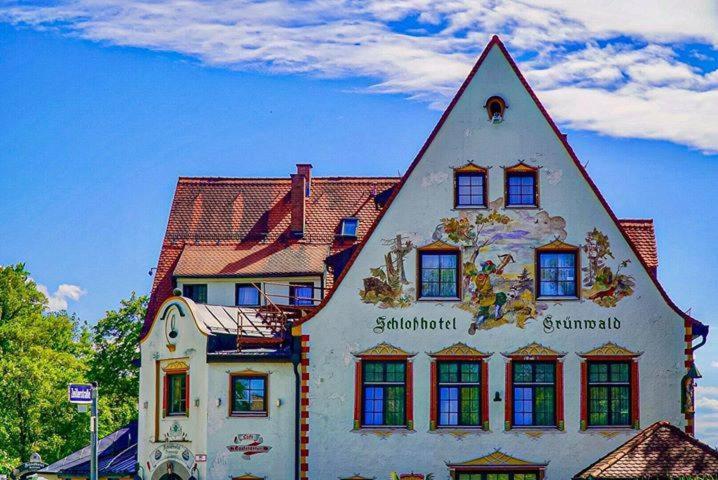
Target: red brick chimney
x,y
297,199
305,169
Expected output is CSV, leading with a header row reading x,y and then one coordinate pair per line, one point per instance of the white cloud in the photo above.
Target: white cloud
x,y
636,87
58,300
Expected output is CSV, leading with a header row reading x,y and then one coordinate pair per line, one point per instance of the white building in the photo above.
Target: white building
x,y
491,318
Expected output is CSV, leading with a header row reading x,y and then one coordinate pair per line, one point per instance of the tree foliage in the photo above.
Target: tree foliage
x,y
42,352
113,366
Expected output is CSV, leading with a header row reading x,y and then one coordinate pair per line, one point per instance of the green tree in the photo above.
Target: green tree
x,y
114,364
40,353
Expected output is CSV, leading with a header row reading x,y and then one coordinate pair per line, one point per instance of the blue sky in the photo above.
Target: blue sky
x,y
102,109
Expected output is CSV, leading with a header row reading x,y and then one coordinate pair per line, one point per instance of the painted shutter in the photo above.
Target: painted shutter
x,y
165,395
584,395
433,397
635,401
508,397
186,395
485,394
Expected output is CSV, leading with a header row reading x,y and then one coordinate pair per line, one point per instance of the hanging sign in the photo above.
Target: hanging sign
x,y
248,444
79,393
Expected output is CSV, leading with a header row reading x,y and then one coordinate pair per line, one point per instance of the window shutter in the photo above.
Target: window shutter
x,y
434,397
508,406
165,395
584,395
560,423
410,395
358,395
186,395
485,394
635,407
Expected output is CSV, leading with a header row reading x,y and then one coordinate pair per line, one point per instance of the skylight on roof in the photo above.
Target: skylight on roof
x,y
349,227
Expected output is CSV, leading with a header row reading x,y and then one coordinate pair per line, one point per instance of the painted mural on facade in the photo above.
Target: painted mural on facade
x,y
498,271
602,284
387,286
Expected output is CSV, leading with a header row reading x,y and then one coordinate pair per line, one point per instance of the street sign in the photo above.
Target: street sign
x,y
79,393
200,457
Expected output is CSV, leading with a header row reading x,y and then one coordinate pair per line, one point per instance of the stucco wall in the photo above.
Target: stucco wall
x,y
190,348
209,428
346,324
276,430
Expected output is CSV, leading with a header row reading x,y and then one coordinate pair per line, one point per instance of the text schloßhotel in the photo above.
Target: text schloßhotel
x,y
550,325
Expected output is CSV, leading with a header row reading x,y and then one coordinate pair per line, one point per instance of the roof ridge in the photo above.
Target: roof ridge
x,y
635,220
209,179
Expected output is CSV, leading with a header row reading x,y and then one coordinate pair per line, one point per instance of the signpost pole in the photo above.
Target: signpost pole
x,y
93,433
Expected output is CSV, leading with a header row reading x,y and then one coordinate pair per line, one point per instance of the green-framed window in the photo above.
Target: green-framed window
x,y
383,393
459,388
609,394
534,394
249,394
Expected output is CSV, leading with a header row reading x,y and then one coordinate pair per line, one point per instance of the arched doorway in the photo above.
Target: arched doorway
x,y
171,470
170,476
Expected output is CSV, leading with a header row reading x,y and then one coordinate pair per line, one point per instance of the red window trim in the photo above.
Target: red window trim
x,y
358,390
634,387
434,393
509,404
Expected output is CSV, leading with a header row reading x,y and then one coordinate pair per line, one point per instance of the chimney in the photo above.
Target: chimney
x,y
297,199
305,169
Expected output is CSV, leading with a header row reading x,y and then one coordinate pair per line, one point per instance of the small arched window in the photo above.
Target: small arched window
x,y
495,108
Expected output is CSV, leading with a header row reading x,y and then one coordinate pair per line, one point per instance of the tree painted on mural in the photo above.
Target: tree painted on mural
x,y
387,285
602,284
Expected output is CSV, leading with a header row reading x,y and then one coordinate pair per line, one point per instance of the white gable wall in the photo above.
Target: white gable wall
x,y
345,324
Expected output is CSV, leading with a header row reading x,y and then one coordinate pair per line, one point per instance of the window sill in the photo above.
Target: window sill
x,y
558,299
249,415
535,432
522,207
609,428
461,430
380,428
438,299
471,207
175,416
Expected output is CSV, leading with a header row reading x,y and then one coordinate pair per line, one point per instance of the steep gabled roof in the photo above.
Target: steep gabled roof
x,y
240,227
496,42
660,451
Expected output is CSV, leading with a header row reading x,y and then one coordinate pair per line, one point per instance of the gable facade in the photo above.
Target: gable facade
x,y
433,273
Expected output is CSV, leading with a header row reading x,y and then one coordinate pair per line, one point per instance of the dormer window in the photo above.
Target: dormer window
x,y
495,108
349,227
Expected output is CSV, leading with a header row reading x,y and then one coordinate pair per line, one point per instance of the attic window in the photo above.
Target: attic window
x,y
349,227
495,108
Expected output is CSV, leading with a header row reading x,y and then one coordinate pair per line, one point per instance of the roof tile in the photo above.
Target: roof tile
x,y
660,451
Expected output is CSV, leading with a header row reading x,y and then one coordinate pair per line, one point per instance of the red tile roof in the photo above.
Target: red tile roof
x,y
254,260
660,451
240,226
641,234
